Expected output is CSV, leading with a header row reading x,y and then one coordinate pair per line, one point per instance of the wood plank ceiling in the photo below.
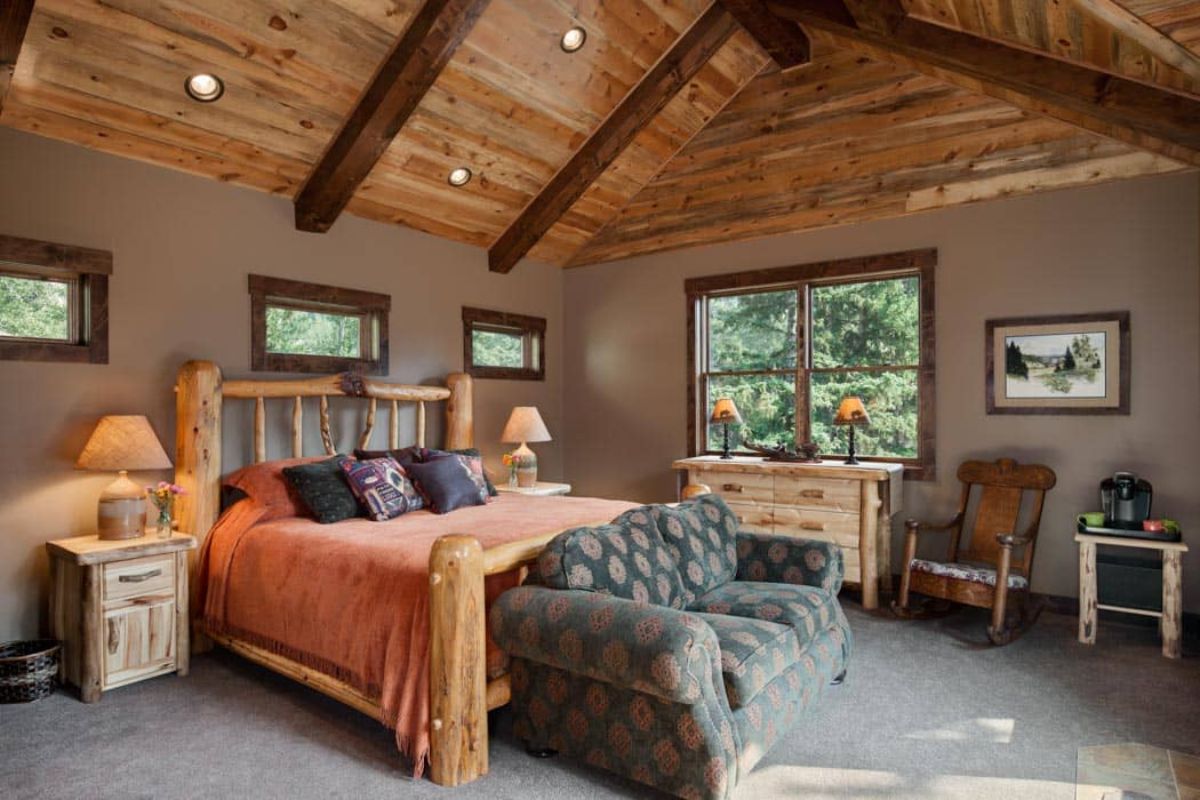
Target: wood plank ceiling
x,y
867,129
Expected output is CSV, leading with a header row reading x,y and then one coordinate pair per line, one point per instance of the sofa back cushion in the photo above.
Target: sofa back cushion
x,y
619,559
702,536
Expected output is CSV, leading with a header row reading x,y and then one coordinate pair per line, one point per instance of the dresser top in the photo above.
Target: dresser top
x,y
867,471
94,550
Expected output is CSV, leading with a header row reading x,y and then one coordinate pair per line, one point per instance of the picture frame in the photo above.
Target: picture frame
x,y
1065,364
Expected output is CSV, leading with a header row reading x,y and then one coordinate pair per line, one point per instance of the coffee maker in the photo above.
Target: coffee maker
x,y
1125,499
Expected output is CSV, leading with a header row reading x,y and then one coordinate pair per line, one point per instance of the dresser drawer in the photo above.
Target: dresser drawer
x,y
831,494
827,526
753,519
738,487
139,577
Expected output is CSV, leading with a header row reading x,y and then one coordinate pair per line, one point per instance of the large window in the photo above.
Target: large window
x,y
788,344
53,301
307,327
497,344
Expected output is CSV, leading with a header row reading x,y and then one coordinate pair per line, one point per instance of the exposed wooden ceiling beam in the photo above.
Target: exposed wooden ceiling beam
x,y
784,41
664,80
395,91
1126,23
1146,117
14,20
879,16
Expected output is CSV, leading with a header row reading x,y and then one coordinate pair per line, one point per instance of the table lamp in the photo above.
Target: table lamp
x,y
525,425
120,444
852,413
725,413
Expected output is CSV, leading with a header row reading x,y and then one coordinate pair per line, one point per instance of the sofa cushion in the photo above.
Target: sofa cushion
x,y
620,559
806,609
753,653
702,535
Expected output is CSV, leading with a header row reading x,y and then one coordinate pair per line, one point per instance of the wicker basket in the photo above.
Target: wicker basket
x,y
28,670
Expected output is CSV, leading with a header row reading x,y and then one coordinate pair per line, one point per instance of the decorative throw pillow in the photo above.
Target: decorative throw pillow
x,y
702,535
404,456
264,483
323,488
471,452
383,487
625,558
447,484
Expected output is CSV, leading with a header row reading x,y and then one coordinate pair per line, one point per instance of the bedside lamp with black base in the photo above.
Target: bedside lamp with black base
x,y
852,413
725,413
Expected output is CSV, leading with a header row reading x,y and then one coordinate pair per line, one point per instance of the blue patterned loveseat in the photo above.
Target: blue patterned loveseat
x,y
671,648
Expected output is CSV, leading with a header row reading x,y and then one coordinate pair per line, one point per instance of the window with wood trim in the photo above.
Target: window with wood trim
x,y
497,344
53,302
309,327
787,344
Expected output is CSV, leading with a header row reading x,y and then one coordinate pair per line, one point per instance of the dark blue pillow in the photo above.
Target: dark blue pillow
x,y
446,484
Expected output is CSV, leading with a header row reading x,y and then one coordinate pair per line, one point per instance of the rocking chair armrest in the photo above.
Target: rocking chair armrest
x,y
915,527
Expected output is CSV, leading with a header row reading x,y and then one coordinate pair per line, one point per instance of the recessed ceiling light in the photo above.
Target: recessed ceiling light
x,y
573,39
204,87
459,176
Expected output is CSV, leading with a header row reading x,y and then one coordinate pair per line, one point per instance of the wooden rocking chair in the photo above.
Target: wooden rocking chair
x,y
985,572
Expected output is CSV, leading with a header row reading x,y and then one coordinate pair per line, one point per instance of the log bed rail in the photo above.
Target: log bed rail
x,y
460,692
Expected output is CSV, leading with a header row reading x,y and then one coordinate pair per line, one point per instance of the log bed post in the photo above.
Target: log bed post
x,y
460,422
458,731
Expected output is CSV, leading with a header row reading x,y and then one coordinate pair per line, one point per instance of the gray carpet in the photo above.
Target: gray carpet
x,y
921,715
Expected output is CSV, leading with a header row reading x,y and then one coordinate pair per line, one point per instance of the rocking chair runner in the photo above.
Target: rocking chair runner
x,y
985,572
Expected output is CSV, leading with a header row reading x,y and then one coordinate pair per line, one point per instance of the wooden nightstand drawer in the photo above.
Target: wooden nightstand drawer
x,y
139,640
139,577
832,494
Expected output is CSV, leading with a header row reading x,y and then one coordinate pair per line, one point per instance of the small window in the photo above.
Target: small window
x,y
308,327
53,302
501,345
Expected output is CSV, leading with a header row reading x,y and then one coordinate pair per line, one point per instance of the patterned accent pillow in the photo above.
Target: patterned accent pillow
x,y
619,559
448,484
430,455
702,535
383,487
323,488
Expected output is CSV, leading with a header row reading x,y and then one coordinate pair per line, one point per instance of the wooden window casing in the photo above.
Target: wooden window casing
x,y
802,278
370,308
532,331
85,272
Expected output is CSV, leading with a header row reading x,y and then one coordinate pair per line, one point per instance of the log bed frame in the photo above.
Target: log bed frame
x,y
460,692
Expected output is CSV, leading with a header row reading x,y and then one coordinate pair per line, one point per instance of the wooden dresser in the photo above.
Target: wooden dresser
x,y
851,506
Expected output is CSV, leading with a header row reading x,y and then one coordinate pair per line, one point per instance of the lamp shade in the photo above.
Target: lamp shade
x,y
123,443
725,412
852,412
525,425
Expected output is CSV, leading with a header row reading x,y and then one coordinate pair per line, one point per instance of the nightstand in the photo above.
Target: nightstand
x,y
120,609
539,489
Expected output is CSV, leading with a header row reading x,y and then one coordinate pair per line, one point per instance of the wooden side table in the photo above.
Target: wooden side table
x,y
539,489
120,609
1171,616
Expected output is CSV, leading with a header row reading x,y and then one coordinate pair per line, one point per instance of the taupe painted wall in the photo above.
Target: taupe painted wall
x,y
1131,245
182,248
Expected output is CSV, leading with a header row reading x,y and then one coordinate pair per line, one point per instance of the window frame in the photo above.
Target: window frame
x,y
802,278
531,329
86,272
370,307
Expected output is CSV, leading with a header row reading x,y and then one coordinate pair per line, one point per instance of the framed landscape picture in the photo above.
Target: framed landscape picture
x,y
1074,364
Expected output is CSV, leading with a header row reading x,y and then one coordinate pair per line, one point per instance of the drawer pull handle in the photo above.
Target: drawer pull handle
x,y
816,494
141,576
733,487
813,526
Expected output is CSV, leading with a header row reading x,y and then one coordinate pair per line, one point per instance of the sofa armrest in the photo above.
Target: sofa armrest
x,y
785,559
653,649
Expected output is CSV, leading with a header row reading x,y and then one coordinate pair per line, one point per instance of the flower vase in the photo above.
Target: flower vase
x,y
162,527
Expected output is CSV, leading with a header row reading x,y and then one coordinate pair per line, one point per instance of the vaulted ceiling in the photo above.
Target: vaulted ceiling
x,y
676,124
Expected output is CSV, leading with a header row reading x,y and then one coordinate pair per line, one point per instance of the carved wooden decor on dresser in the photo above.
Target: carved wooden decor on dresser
x,y
851,506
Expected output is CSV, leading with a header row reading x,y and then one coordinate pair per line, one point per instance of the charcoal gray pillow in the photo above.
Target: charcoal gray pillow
x,y
430,455
446,484
323,487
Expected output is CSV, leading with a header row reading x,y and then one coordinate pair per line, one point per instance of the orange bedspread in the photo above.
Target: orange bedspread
x,y
351,599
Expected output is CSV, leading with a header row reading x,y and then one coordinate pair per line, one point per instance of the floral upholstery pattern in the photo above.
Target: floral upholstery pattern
x,y
785,559
753,653
621,559
975,573
687,699
701,534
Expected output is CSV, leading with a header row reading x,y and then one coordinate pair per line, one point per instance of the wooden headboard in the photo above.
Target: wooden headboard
x,y
200,393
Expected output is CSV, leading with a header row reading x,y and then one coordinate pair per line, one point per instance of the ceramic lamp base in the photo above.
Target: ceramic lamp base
x,y
121,513
527,471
